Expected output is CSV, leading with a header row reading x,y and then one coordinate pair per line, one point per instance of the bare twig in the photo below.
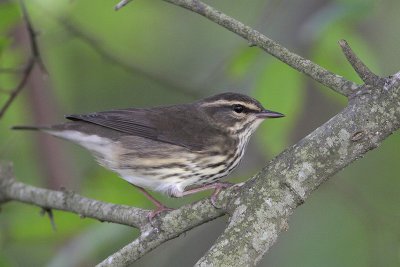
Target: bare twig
x,y
281,186
129,67
49,212
121,4
362,70
14,93
308,163
34,58
162,229
11,190
325,77
316,72
32,37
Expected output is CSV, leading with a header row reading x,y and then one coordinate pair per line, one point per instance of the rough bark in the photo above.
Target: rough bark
x,y
260,215
259,210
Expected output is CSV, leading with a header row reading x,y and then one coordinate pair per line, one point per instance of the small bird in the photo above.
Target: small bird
x,y
177,150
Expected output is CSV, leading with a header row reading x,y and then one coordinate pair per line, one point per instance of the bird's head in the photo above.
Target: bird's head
x,y
235,113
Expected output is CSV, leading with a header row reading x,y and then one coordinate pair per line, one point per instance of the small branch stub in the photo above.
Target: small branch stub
x,y
304,166
362,70
121,4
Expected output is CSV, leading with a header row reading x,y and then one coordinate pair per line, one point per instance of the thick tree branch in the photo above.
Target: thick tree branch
x,y
168,227
282,185
152,235
260,209
260,215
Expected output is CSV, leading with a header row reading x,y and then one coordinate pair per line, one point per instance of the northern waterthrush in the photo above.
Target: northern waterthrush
x,y
177,150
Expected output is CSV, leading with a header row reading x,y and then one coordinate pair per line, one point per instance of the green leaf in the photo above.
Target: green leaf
x,y
279,89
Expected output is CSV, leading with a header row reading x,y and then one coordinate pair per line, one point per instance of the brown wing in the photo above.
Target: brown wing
x,y
132,122
175,125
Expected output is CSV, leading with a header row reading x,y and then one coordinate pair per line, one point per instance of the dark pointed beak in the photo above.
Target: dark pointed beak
x,y
269,114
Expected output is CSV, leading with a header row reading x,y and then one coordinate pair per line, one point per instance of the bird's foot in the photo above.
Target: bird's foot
x,y
160,208
218,188
157,211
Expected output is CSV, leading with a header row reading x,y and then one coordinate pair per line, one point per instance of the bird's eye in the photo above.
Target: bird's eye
x,y
238,108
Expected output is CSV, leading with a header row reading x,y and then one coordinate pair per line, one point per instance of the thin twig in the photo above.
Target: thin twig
x,y
49,212
14,93
362,70
121,4
95,44
11,190
316,72
304,166
32,37
165,226
27,70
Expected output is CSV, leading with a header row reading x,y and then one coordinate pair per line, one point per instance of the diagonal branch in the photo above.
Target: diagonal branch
x,y
292,176
152,235
121,4
325,77
316,72
129,67
15,92
260,209
166,228
362,70
35,52
281,186
35,57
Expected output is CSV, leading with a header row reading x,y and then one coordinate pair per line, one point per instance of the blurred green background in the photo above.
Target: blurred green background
x,y
153,53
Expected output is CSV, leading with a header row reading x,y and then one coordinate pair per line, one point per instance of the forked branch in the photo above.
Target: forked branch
x,y
258,211
35,57
316,72
362,70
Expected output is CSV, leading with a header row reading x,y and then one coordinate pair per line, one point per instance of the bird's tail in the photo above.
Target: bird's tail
x,y
30,128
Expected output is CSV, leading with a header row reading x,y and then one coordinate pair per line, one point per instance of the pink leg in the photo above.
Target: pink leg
x,y
159,206
218,186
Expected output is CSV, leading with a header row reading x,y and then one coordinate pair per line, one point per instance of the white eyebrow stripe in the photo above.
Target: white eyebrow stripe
x,y
231,102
